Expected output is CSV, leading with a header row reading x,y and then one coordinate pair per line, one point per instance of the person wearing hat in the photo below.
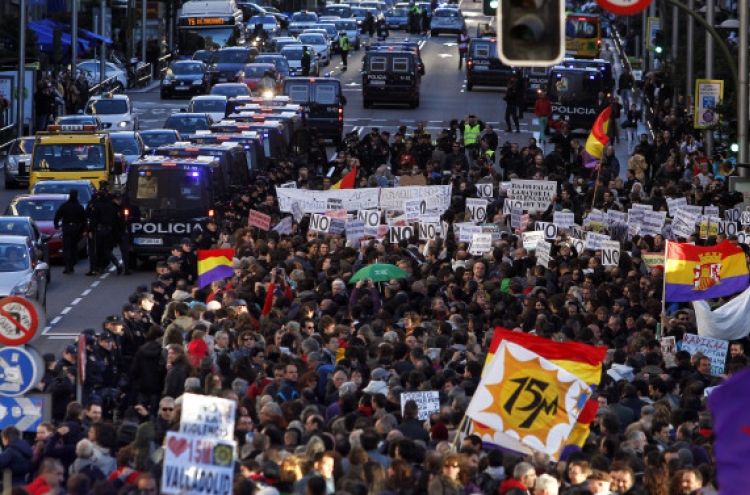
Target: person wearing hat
x,y
68,358
103,230
102,369
210,234
122,240
189,259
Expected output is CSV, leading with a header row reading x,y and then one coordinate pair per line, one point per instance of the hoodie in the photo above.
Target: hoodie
x,y
18,458
512,486
620,371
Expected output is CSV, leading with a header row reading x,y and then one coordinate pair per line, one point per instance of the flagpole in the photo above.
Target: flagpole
x,y
663,291
596,184
459,430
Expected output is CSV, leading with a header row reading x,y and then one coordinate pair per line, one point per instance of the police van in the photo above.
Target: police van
x,y
251,141
323,104
574,95
167,198
233,162
536,81
483,67
405,45
390,76
275,144
291,124
599,64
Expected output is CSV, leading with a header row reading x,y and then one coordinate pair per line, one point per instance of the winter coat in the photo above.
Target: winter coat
x,y
149,369
18,457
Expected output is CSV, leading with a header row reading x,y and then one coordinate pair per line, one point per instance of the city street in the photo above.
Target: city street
x,y
76,302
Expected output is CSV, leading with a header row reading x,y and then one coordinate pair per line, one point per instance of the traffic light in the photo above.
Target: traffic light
x,y
658,42
489,7
532,32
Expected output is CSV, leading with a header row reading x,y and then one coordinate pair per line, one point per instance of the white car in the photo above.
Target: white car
x,y
301,21
115,111
22,273
269,23
214,105
447,20
91,69
319,42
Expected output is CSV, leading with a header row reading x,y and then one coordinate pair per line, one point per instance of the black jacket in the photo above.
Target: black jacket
x,y
412,428
148,371
71,216
18,458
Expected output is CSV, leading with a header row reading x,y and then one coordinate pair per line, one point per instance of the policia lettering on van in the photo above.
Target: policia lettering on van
x,y
167,199
390,77
574,95
323,104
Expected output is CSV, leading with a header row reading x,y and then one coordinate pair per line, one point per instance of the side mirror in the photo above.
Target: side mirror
x,y
44,238
146,150
3,153
42,267
343,100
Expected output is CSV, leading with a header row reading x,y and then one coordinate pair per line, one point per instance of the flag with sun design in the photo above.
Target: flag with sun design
x,y
529,403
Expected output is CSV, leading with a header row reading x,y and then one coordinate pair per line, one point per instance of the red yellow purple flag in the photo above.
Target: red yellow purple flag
x,y
598,139
348,181
214,264
581,360
693,272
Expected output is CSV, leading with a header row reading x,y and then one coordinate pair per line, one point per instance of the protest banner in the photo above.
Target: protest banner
x,y
509,204
337,214
614,217
197,466
524,221
594,241
398,234
728,228
563,219
258,219
652,260
284,226
310,201
610,253
712,211
428,231
675,204
543,253
485,190
466,231
338,226
531,239
413,208
289,185
669,350
320,223
478,209
427,402
535,194
436,198
515,218
207,417
480,244
745,218
732,215
693,210
653,222
355,231
549,229
684,222
715,349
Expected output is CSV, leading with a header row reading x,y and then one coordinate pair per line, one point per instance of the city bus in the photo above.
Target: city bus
x,y
209,25
583,35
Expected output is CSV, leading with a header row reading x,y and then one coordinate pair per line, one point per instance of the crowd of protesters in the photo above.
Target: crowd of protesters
x,y
317,365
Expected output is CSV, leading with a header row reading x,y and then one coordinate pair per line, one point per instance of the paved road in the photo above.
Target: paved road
x,y
76,302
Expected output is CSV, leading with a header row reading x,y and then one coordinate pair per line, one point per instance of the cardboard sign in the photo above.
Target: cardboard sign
x,y
594,241
515,218
428,231
320,223
549,229
652,260
480,244
197,466
467,231
653,222
614,217
413,208
427,402
543,253
563,220
535,194
714,349
683,224
485,191
355,231
531,239
668,350
478,209
338,226
509,204
258,219
610,253
207,417
398,234
675,204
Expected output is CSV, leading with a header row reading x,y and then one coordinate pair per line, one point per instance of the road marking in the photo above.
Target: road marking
x,y
86,293
75,301
62,336
94,284
46,329
66,310
55,320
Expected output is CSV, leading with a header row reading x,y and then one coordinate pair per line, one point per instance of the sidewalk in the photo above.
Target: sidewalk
x,y
151,86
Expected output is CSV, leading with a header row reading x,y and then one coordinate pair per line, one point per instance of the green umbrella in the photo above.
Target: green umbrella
x,y
379,272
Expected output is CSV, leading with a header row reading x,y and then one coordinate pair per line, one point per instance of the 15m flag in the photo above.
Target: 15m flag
x,y
214,264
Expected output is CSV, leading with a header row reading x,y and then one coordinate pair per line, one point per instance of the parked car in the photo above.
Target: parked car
x,y
16,157
27,227
184,77
92,68
22,273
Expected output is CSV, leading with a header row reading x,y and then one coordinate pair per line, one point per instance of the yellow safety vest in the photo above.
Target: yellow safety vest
x,y
471,134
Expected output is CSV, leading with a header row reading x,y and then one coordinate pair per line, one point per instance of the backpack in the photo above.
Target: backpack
x,y
489,484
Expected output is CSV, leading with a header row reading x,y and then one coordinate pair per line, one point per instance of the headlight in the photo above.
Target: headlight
x,y
12,165
167,80
124,123
197,82
57,235
23,288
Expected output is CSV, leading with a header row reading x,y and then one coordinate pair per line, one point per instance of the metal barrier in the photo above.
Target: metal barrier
x,y
7,134
163,65
109,85
143,75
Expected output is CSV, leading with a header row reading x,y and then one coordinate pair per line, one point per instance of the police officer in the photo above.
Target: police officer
x,y
306,60
471,128
121,232
189,260
344,48
103,221
72,217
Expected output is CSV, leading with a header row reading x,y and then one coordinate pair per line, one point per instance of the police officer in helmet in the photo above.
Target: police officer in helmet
x,y
71,216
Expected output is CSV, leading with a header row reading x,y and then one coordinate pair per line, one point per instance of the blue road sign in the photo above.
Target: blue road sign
x,y
22,412
21,368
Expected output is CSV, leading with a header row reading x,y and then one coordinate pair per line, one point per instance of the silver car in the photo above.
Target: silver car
x,y
447,20
22,273
397,18
293,54
17,158
350,27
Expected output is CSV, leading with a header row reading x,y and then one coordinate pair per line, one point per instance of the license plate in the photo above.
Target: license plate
x,y
481,67
181,88
534,86
147,241
222,79
377,82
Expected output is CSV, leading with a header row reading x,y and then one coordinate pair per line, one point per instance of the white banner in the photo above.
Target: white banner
x,y
197,466
207,417
594,241
401,233
321,201
535,194
436,198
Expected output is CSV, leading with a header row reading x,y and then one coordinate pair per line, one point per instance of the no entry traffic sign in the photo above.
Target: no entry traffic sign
x,y
20,320
624,7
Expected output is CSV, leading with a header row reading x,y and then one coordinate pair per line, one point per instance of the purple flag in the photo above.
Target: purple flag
x,y
589,160
729,404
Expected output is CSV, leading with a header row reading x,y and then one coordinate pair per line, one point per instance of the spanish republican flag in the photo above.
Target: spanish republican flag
x,y
214,264
598,139
693,273
348,181
581,360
